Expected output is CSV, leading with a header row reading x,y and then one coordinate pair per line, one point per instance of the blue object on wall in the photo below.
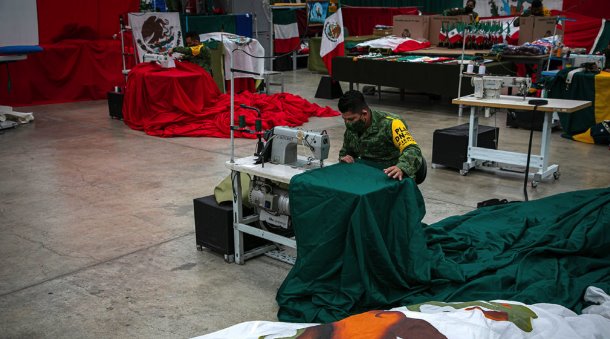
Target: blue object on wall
x,y
243,24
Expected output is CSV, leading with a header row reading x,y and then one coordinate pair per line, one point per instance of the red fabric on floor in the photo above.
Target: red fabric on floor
x,y
241,84
362,20
71,70
186,102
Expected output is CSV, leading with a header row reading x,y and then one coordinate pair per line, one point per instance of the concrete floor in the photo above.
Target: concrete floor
x,y
96,220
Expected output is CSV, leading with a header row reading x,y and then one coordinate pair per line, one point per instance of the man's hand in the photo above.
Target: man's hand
x,y
348,159
393,172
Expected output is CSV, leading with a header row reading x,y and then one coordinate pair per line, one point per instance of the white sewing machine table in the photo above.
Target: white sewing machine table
x,y
278,173
476,155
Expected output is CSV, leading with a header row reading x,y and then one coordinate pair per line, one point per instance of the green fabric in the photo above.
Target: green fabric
x,y
217,63
352,256
285,16
582,88
314,60
425,6
207,23
362,246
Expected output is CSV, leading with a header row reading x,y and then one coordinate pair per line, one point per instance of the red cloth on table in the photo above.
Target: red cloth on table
x,y
362,20
71,70
411,45
185,101
590,8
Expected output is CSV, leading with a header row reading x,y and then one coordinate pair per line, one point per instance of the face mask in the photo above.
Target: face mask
x,y
357,126
468,10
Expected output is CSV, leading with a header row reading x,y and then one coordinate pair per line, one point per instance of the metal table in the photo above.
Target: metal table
x,y
278,173
476,155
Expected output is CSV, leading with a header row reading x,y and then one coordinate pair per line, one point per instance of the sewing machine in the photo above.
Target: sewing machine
x,y
284,141
268,191
489,87
163,60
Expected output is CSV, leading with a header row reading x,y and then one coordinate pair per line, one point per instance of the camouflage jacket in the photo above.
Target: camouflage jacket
x,y
199,55
386,142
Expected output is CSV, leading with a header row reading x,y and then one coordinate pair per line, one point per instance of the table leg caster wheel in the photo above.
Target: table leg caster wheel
x,y
534,183
199,248
463,172
556,175
229,258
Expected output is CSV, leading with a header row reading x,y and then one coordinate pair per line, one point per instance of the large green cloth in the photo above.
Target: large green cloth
x,y
581,88
362,246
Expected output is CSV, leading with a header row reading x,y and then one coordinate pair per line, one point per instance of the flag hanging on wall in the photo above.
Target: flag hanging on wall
x,y
332,39
155,32
285,30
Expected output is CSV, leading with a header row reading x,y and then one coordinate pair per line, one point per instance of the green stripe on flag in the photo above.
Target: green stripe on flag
x,y
284,16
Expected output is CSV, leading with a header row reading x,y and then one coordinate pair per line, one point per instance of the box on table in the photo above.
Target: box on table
x,y
412,26
214,227
437,21
532,28
450,145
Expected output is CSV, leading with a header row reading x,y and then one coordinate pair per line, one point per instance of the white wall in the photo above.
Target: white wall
x,y
18,22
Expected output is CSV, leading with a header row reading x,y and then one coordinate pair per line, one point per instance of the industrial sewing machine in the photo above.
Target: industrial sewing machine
x,y
490,87
269,197
163,60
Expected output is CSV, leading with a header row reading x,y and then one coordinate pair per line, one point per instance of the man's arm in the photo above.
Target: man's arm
x,y
343,153
410,158
182,50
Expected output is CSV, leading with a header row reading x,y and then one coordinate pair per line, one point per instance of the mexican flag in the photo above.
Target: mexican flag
x,y
286,30
454,36
332,39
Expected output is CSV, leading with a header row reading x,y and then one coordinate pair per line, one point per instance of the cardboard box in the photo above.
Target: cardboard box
x,y
412,26
436,22
532,28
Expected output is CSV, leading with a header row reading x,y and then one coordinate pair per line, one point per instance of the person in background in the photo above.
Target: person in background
x,y
195,52
379,138
467,10
536,9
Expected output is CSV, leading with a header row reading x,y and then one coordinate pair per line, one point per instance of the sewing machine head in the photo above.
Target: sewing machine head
x,y
285,140
163,60
490,87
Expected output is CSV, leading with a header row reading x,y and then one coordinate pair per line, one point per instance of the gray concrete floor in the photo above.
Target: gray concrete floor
x,y
96,220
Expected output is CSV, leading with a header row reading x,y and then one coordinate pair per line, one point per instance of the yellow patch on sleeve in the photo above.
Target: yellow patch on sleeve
x,y
196,50
401,136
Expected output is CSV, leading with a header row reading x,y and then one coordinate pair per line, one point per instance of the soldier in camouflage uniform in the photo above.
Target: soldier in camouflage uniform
x,y
195,52
379,137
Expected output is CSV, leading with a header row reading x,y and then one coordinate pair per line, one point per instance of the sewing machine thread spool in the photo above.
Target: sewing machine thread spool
x,y
482,70
470,68
242,121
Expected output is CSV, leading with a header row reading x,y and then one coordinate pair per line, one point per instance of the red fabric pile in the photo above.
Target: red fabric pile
x,y
185,101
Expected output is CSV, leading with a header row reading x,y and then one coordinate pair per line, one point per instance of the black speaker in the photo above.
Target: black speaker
x,y
214,227
115,105
450,145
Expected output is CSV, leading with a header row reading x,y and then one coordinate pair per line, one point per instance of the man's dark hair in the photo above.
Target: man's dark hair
x,y
536,3
192,35
474,2
352,101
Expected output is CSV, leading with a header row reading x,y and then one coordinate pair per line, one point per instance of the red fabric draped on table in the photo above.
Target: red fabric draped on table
x,y
590,8
71,70
362,20
185,101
